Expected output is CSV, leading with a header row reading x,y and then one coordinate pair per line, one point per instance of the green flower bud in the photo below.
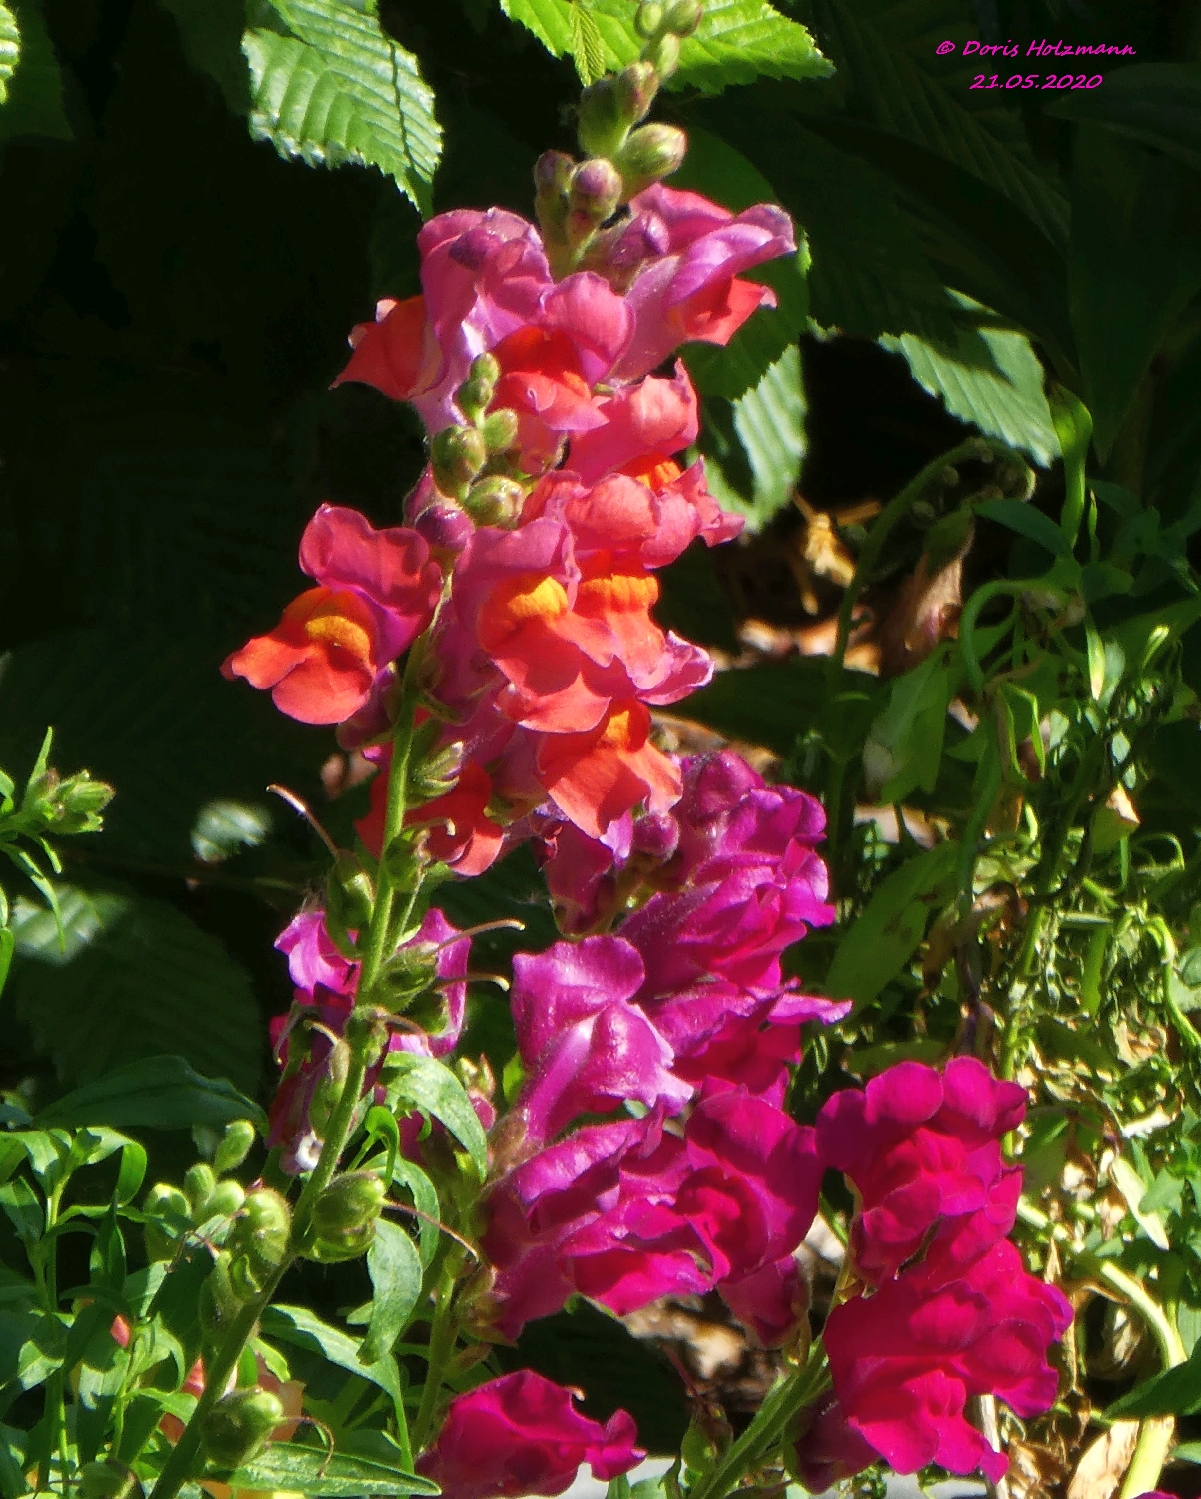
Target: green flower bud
x,y
225,1201
104,1481
344,1246
198,1185
663,54
682,16
220,1301
495,501
239,1426
595,193
408,973
350,894
636,87
474,396
351,1201
263,1228
648,18
651,153
500,430
167,1202
457,454
77,803
234,1147
602,122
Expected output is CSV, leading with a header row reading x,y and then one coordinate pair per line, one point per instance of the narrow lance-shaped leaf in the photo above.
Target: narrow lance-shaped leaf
x,y
395,1269
340,90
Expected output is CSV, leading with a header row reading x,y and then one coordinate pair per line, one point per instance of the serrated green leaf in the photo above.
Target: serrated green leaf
x,y
339,89
737,40
395,1269
905,100
291,1468
10,48
155,1093
587,44
138,977
990,378
770,422
1157,104
422,1083
31,95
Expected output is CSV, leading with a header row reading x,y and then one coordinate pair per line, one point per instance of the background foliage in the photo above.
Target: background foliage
x,y
175,293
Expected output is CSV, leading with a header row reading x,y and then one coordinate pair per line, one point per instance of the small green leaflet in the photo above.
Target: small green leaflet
x,y
340,90
737,41
10,48
416,1082
291,1468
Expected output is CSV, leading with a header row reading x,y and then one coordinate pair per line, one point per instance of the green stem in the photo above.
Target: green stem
x,y
394,816
1155,1435
774,1417
443,1336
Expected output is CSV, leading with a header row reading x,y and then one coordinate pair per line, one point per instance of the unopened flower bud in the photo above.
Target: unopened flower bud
x,y
198,1185
648,18
349,894
263,1228
235,1145
239,1426
651,153
636,87
163,1201
495,501
349,1245
78,802
682,16
351,1201
456,456
663,54
500,430
104,1481
446,529
602,125
226,1199
474,396
552,172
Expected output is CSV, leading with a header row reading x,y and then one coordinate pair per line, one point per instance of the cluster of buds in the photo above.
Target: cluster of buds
x,y
469,462
256,1248
209,1200
622,156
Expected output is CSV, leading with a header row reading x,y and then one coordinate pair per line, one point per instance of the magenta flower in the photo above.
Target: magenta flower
x,y
312,957
586,1047
625,1213
643,426
919,1146
521,1434
688,287
905,1359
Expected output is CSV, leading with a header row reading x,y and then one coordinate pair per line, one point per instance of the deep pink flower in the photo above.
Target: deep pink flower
x,y
521,1434
377,593
905,1359
585,1046
644,424
312,957
688,288
920,1146
483,276
626,1213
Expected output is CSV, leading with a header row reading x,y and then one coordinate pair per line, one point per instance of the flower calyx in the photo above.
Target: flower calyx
x,y
239,1426
344,1217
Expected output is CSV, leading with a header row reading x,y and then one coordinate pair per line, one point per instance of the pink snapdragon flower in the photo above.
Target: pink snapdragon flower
x,y
625,1213
919,1146
521,1434
377,591
585,1046
688,288
641,425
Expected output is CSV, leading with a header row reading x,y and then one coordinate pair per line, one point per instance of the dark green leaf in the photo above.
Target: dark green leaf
x,y
417,1082
1027,521
1135,264
395,1269
155,1093
770,422
886,935
1175,1392
1157,104
341,90
289,1467
137,977
211,32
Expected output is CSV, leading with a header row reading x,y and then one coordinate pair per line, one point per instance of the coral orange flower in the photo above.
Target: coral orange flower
x,y
595,778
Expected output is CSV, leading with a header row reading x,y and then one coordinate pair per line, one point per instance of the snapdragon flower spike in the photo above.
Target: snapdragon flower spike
x,y
377,592
586,1048
625,1213
920,1146
521,1434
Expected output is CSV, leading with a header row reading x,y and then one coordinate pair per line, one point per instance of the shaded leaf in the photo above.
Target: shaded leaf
x,y
1026,521
291,1468
340,90
1175,1392
770,422
211,32
296,1324
1157,104
137,976
155,1093
395,1269
737,40
418,1082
